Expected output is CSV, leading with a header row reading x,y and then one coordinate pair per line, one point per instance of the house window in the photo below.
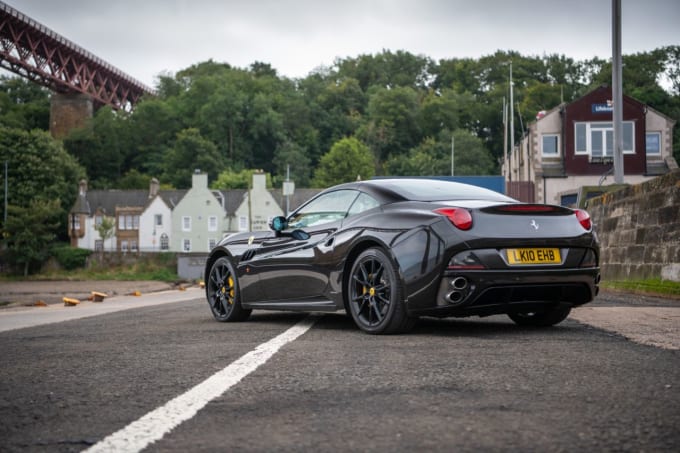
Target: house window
x,y
128,222
242,223
597,139
212,243
158,220
165,242
76,221
121,222
124,246
135,222
98,220
186,245
98,245
653,143
550,145
133,245
212,223
186,223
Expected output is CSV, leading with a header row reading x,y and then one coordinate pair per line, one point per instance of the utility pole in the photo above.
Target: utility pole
x,y
512,123
5,219
452,154
617,91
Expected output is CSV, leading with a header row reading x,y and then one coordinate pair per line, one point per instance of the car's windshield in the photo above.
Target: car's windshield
x,y
326,208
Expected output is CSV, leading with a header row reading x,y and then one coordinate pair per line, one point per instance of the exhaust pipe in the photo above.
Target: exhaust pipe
x,y
456,296
459,283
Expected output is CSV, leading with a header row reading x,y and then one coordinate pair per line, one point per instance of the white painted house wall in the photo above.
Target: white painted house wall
x,y
150,233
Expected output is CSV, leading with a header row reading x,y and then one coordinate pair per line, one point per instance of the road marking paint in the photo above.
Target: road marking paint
x,y
153,426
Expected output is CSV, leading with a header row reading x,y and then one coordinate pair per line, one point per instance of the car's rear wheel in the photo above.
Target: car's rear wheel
x,y
223,293
544,318
375,296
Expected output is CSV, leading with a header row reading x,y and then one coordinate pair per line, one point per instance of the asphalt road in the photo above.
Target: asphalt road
x,y
451,385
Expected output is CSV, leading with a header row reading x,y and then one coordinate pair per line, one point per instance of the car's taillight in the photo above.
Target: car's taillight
x,y
461,218
583,218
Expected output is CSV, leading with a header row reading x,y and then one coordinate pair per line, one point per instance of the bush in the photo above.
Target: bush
x,y
70,258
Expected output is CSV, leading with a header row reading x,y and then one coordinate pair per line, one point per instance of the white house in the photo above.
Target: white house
x,y
199,219
257,208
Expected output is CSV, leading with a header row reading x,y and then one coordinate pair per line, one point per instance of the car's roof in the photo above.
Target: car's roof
x,y
423,189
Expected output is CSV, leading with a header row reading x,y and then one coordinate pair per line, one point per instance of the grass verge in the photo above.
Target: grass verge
x,y
652,287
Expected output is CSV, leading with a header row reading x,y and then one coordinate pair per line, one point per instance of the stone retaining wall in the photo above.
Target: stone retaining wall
x,y
639,230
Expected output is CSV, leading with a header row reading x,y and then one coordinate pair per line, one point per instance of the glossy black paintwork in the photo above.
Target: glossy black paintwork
x,y
278,272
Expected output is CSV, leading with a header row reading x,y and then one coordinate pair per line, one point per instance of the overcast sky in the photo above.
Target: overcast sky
x,y
147,37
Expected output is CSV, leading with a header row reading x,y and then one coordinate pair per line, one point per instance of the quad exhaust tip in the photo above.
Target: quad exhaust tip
x,y
460,291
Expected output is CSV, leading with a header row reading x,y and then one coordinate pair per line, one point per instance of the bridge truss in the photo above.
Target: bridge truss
x,y
32,50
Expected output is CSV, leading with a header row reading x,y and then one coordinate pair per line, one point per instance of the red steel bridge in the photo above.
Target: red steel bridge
x,y
32,50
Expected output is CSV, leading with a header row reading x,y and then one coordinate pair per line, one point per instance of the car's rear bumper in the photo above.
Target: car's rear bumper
x,y
488,292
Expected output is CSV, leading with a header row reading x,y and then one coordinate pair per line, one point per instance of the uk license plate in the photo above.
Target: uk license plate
x,y
533,256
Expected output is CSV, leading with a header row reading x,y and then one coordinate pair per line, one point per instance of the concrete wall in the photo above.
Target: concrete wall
x,y
639,230
191,266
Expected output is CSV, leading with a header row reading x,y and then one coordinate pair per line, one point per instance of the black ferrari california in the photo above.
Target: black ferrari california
x,y
390,250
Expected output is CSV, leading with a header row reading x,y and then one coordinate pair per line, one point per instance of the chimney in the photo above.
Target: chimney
x,y
82,187
259,180
153,187
199,180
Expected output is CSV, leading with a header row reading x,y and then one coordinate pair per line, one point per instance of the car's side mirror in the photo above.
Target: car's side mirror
x,y
278,224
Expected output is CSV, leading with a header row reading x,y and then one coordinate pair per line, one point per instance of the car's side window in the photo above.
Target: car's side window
x,y
324,209
363,202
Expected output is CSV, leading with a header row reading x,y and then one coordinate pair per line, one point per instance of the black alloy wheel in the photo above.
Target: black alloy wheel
x,y
545,318
222,292
375,296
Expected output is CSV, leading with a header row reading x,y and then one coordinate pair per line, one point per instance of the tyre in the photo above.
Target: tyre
x,y
223,294
375,296
545,318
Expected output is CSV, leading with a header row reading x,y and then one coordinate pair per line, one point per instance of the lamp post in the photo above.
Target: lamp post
x,y
452,166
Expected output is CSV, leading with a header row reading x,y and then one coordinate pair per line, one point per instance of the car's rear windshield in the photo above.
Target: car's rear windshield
x,y
437,190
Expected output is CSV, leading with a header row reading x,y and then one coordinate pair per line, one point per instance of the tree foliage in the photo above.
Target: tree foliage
x,y
219,118
39,169
348,160
106,229
30,231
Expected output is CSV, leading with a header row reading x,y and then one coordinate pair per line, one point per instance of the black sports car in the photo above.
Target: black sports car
x,y
390,250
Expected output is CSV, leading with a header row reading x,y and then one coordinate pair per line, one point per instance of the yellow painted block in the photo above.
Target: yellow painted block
x,y
69,302
97,296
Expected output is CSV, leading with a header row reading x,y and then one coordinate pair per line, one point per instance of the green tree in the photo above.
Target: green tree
x,y
39,169
191,152
30,231
24,104
433,157
393,125
134,180
348,160
101,148
230,179
292,156
106,229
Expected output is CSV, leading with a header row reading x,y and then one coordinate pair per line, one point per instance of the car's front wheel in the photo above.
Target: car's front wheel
x,y
544,318
223,294
375,297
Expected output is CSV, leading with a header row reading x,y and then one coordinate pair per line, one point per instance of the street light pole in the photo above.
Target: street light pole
x,y
617,91
452,167
5,219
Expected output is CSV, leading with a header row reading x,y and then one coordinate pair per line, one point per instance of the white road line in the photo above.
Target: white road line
x,y
157,423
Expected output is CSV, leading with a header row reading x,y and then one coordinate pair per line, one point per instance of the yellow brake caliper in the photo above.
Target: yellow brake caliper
x,y
230,281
